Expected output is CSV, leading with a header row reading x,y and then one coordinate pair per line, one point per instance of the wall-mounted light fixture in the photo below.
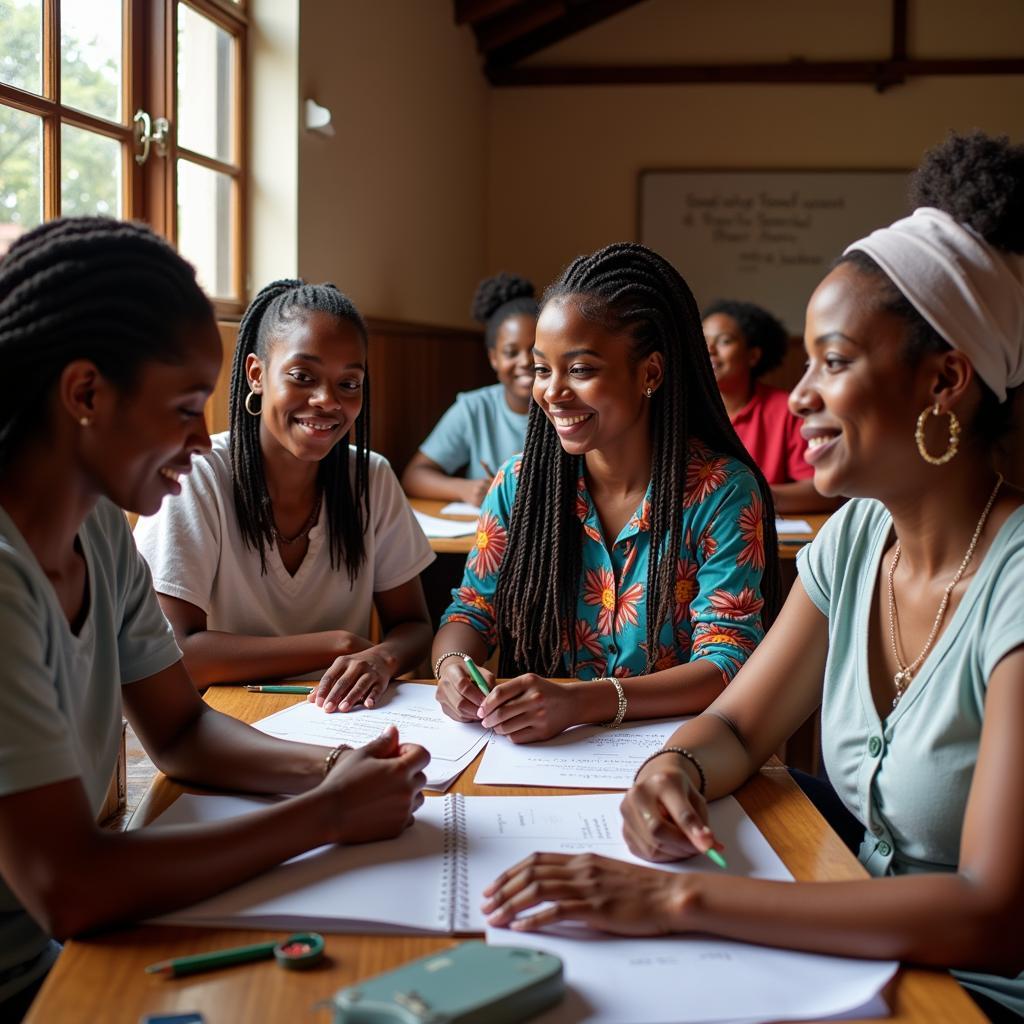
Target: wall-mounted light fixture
x,y
318,119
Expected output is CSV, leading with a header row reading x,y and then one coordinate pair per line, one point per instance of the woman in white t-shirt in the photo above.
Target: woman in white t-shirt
x,y
284,536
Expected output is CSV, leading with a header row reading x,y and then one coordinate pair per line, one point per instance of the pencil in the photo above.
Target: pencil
x,y
487,469
475,674
281,689
182,965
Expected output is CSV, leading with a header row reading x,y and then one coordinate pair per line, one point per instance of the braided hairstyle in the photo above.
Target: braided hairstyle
x,y
87,288
759,329
624,287
345,487
979,181
500,297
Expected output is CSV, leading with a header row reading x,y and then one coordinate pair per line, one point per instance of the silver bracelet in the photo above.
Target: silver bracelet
x,y
682,752
620,708
448,654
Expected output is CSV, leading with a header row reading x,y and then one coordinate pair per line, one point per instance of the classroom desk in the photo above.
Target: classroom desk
x,y
101,979
789,543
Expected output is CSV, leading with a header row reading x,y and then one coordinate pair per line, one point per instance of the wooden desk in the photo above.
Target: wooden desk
x,y
101,979
791,543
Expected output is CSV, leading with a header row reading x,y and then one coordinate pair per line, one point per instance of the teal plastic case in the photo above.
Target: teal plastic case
x,y
472,983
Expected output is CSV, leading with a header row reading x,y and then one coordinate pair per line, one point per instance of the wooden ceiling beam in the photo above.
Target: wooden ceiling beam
x,y
577,15
880,74
521,22
469,12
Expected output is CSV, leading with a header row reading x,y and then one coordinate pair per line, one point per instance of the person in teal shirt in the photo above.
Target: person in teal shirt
x,y
484,427
631,548
906,625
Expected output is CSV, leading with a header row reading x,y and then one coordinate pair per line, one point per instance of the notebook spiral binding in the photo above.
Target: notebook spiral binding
x,y
453,898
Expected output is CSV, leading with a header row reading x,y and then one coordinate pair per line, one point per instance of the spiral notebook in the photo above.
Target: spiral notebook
x,y
432,877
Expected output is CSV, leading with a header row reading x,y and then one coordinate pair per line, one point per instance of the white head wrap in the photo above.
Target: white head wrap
x,y
971,292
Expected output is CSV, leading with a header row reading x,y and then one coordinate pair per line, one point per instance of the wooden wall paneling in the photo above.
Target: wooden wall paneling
x,y
217,405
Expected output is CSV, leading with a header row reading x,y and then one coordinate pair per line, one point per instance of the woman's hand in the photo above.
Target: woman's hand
x,y
473,492
664,817
530,708
373,791
353,679
610,895
460,698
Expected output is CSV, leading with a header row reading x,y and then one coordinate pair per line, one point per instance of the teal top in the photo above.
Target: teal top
x,y
60,694
908,776
718,568
480,426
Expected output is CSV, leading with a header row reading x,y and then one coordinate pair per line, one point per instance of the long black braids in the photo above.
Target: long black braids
x,y
343,476
625,287
87,288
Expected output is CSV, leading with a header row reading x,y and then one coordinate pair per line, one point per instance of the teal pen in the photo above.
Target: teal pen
x,y
716,858
475,674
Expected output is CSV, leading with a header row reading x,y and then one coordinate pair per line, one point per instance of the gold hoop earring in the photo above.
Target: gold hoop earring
x,y
954,436
248,407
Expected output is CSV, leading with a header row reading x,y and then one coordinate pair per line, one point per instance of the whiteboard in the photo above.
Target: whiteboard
x,y
764,236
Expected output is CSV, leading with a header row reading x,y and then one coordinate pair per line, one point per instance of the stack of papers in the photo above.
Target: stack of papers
x,y
460,508
587,757
792,526
410,707
433,526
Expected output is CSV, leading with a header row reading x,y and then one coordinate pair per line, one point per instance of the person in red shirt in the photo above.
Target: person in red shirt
x,y
745,342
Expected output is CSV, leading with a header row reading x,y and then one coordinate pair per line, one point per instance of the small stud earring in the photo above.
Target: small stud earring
x,y
84,421
650,391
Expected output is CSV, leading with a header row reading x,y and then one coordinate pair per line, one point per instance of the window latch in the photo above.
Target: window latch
x,y
150,131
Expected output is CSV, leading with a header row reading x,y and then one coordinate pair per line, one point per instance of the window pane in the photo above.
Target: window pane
x,y
21,174
90,173
205,85
90,56
21,44
204,226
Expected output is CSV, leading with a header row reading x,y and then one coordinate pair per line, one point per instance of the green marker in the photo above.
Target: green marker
x,y
281,689
475,674
715,857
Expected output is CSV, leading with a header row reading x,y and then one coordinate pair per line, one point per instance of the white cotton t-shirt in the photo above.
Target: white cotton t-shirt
x,y
195,551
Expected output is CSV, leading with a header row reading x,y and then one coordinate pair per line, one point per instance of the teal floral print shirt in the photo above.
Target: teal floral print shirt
x,y
717,610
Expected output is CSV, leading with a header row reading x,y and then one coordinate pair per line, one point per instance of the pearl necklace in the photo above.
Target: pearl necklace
x,y
906,672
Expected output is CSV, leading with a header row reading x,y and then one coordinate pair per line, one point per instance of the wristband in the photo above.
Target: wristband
x,y
446,655
333,755
682,752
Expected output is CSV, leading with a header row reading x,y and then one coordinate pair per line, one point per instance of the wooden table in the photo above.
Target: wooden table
x,y
789,543
102,980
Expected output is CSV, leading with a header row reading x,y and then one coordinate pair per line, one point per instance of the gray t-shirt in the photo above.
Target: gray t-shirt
x,y
60,694
478,427
907,777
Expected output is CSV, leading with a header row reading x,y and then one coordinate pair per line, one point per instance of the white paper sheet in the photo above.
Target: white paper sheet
x,y
460,508
410,707
587,757
433,526
792,526
699,980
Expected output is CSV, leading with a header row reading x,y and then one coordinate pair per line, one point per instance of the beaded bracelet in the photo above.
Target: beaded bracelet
x,y
448,654
333,755
621,705
682,752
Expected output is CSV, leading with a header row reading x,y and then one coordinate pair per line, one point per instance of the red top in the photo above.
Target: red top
x,y
771,433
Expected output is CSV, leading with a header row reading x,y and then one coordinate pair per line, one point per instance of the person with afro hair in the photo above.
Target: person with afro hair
x,y
905,627
745,342
484,427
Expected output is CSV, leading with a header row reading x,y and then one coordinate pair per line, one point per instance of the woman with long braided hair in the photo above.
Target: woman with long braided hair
x,y
285,534
108,352
632,547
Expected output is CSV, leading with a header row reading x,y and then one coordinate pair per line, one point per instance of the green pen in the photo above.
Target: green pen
x,y
297,952
715,857
475,674
281,689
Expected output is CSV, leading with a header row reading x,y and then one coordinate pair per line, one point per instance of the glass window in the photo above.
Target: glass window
x,y
21,174
90,56
21,44
205,85
205,226
90,173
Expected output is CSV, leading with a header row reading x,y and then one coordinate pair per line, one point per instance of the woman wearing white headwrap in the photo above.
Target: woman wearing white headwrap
x,y
906,625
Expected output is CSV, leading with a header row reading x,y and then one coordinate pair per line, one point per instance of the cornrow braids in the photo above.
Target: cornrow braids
x,y
345,487
91,288
625,287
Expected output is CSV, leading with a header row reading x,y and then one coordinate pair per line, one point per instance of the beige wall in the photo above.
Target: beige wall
x,y
563,162
391,208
